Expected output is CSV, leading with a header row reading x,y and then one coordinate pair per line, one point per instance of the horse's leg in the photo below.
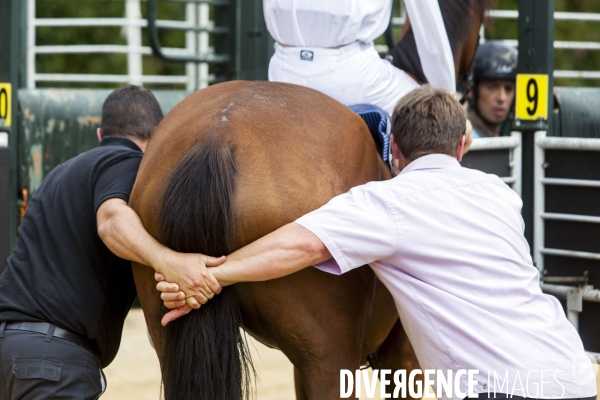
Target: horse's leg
x,y
316,320
396,353
299,385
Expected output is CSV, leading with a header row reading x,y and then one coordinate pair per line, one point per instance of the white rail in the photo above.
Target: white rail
x,y
197,26
574,295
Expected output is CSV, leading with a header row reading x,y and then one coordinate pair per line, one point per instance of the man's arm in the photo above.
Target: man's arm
x,y
280,253
121,229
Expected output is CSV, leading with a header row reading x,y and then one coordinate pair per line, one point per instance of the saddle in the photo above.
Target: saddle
x,y
380,126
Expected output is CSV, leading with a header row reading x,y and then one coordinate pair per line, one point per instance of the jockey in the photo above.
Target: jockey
x,y
328,46
493,88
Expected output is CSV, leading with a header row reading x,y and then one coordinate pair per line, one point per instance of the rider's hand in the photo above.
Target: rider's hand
x,y
189,272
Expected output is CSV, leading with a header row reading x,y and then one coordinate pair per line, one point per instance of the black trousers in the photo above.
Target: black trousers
x,y
34,366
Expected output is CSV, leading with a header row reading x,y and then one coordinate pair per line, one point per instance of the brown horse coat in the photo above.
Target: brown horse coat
x,y
295,149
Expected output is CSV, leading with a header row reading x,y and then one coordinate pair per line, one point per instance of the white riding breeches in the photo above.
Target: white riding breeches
x,y
352,74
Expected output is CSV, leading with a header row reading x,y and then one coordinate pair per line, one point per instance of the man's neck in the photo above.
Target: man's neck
x,y
482,127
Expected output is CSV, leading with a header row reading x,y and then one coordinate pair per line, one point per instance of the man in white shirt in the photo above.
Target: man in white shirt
x,y
448,243
328,46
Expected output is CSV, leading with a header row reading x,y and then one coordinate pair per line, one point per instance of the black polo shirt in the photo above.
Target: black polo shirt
x,y
61,272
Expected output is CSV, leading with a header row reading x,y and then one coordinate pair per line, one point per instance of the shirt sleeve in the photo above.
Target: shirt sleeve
x,y
116,181
357,228
432,42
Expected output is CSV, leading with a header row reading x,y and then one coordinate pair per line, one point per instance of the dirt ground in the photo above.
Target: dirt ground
x,y
135,374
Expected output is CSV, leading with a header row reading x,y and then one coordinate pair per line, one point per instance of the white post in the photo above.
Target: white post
x,y
539,200
191,45
31,44
516,162
203,48
134,41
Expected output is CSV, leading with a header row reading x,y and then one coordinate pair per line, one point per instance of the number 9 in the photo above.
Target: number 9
x,y
532,97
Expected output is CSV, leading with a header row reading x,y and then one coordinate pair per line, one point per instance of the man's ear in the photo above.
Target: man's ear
x,y
460,148
395,148
99,134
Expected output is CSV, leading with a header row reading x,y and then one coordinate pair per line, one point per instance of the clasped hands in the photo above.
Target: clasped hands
x,y
185,283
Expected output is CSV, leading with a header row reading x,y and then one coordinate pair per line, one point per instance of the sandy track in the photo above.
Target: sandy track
x,y
135,374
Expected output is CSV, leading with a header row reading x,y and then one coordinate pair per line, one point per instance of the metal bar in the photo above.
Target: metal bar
x,y
122,22
398,22
539,196
563,143
577,74
558,15
516,163
91,48
110,48
30,51
157,49
570,182
109,78
134,41
570,217
509,180
570,253
588,294
495,143
559,44
3,139
203,45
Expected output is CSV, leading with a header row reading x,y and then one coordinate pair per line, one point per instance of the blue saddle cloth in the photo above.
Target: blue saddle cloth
x,y
379,124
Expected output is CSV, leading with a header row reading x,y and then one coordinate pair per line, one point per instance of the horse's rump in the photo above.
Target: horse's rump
x,y
228,165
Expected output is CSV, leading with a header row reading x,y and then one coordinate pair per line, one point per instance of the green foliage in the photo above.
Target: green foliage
x,y
117,63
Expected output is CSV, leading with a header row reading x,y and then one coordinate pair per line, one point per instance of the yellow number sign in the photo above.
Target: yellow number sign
x,y
532,97
5,103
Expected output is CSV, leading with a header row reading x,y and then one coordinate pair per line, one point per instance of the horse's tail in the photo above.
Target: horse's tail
x,y
205,356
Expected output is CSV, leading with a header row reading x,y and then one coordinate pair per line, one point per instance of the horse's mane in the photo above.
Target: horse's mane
x,y
457,16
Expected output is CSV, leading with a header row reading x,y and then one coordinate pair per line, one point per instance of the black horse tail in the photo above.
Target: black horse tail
x,y
205,356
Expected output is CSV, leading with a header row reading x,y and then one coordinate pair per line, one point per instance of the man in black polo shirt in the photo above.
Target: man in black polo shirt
x,y
65,295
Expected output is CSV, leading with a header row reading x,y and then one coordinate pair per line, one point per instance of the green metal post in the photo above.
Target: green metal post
x,y
10,57
250,44
536,56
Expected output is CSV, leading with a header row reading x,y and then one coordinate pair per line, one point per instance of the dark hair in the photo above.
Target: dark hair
x,y
130,111
428,121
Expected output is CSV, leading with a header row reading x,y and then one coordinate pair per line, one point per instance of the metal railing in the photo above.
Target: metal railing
x,y
197,25
513,145
575,295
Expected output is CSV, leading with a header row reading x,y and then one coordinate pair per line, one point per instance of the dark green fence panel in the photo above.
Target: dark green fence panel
x,y
58,124
578,112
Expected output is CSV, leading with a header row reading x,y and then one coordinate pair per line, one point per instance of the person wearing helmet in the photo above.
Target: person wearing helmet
x,y
493,88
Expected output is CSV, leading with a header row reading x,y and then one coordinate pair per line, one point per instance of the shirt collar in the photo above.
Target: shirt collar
x,y
119,141
432,161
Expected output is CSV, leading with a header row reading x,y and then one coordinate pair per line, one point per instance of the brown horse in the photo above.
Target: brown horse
x,y
228,165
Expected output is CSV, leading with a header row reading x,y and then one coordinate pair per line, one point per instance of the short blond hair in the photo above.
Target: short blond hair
x,y
428,121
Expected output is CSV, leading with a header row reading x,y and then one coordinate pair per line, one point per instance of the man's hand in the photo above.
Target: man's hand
x,y
173,299
192,278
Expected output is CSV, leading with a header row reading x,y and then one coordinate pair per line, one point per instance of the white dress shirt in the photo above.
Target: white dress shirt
x,y
448,243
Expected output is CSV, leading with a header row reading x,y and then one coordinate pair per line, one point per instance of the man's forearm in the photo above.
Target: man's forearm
x,y
280,253
124,234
